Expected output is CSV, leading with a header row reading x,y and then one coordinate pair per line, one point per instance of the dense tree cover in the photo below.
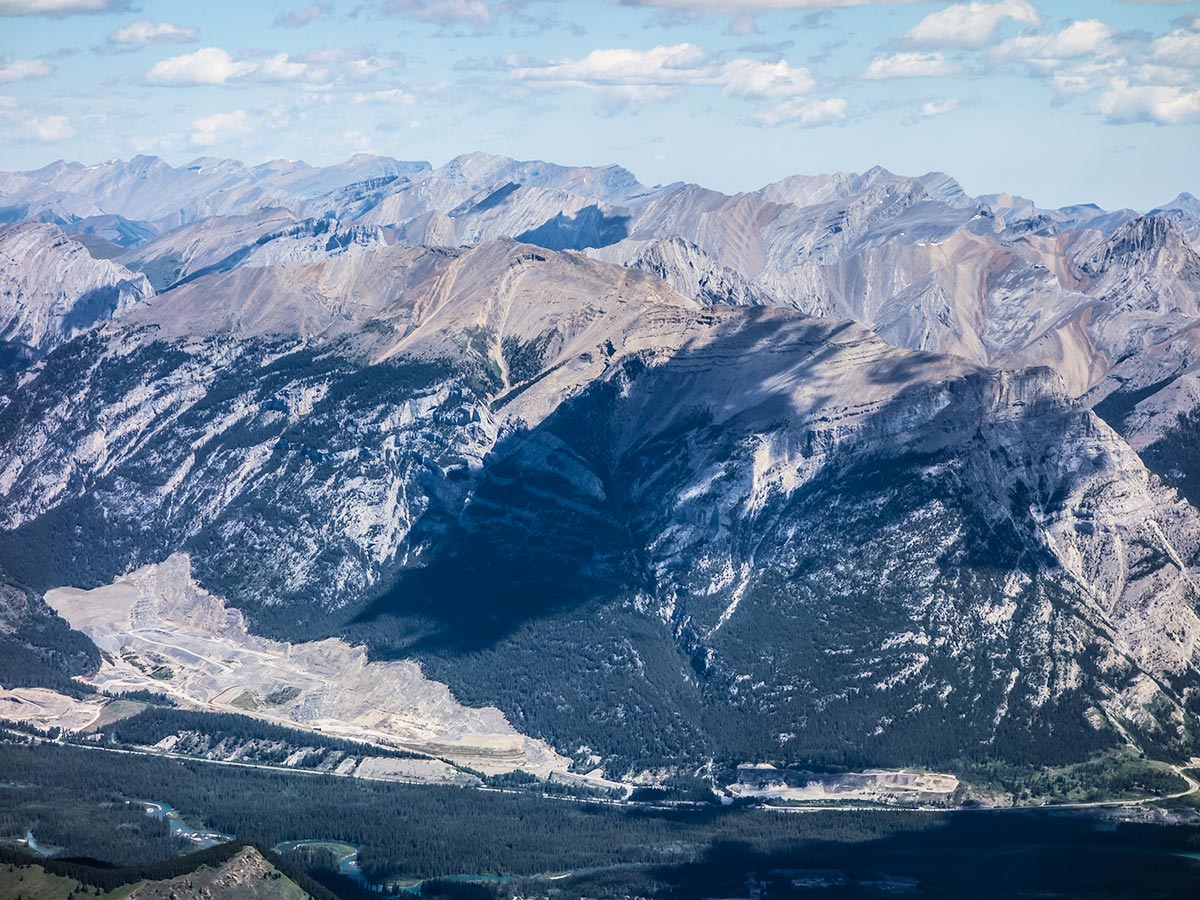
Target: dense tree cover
x,y
409,830
37,647
87,825
424,832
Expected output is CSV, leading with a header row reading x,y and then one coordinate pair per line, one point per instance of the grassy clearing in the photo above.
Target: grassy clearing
x,y
1112,776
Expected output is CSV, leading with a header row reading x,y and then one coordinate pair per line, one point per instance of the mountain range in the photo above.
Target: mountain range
x,y
853,469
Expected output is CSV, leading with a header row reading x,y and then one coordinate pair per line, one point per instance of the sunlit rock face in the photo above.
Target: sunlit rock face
x,y
805,474
52,289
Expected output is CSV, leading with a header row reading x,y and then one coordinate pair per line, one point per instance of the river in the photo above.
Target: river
x,y
165,812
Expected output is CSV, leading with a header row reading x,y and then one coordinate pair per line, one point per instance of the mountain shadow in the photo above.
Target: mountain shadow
x,y
589,227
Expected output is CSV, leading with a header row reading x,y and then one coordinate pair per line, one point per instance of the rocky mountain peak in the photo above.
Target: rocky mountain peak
x,y
1149,240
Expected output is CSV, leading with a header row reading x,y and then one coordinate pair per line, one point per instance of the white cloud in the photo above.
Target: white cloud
x,y
220,127
970,25
909,65
210,65
1180,48
280,67
1086,77
1086,37
664,65
23,69
144,32
938,108
1124,104
357,61
44,128
658,73
804,113
1151,73
60,7
751,78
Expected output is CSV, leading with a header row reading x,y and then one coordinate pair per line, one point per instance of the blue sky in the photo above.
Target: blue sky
x,y
1060,101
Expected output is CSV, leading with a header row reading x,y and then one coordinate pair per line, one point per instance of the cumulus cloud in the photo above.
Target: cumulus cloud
x,y
931,109
23,69
661,71
60,7
280,67
220,127
970,25
355,63
44,128
1086,77
1124,103
909,65
212,66
662,65
144,32
302,17
1086,37
1179,48
751,78
1152,73
803,113
1129,80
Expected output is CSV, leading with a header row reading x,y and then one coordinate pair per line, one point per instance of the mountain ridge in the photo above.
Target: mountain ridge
x,y
834,472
